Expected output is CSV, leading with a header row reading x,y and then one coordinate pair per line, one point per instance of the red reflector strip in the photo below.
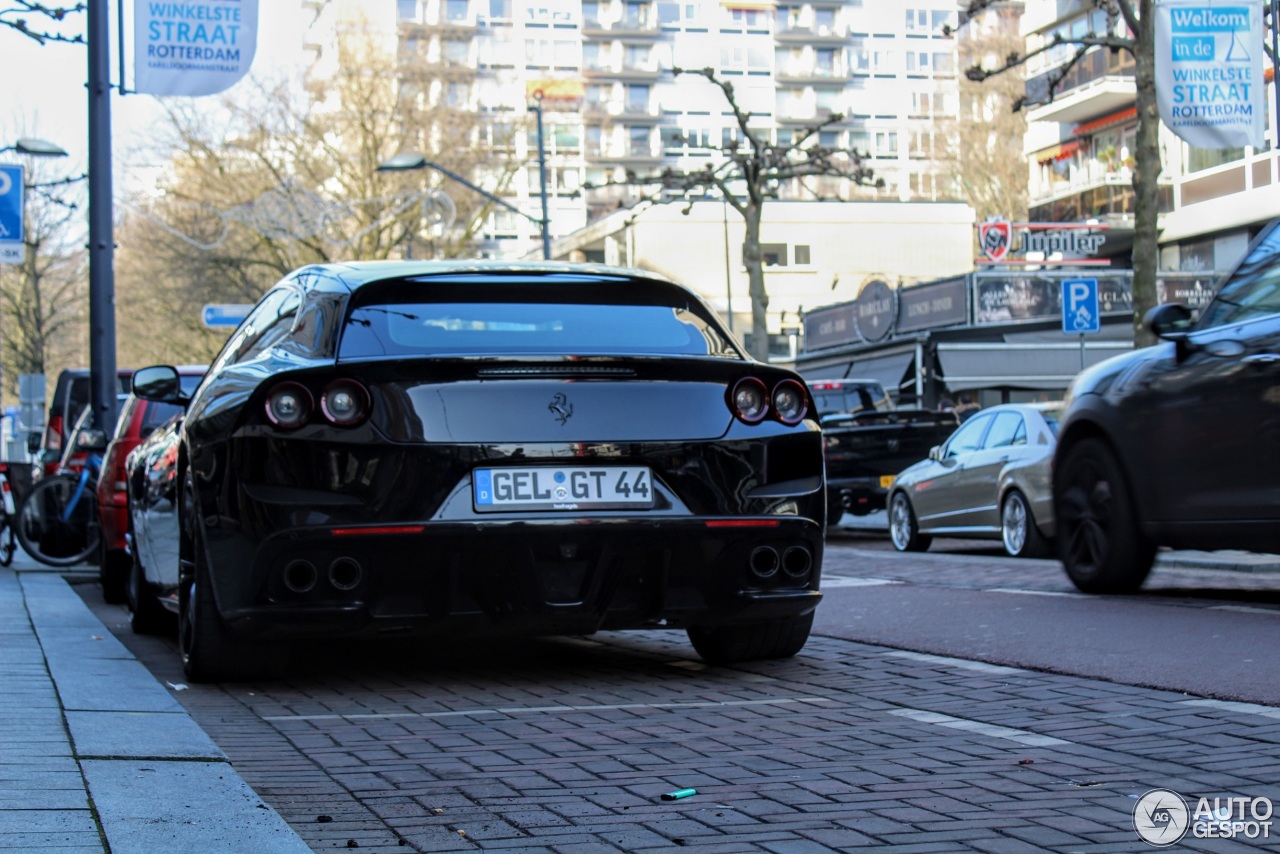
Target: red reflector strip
x,y
743,523
384,529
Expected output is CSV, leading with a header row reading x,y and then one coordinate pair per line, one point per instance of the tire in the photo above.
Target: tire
x,y
1100,541
1018,529
113,573
209,652
45,535
8,541
751,642
146,615
903,528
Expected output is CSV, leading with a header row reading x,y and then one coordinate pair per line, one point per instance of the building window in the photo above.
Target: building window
x,y
802,255
407,10
456,10
773,254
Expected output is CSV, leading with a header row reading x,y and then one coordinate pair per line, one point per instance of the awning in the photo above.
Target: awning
x,y
1106,121
1038,367
890,369
1058,152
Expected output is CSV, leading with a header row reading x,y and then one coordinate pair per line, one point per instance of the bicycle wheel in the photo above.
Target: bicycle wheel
x,y
58,521
7,543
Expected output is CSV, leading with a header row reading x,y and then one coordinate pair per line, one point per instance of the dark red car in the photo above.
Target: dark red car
x,y
137,420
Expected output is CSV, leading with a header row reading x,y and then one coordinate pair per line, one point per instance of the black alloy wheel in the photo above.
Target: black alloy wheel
x,y
1100,541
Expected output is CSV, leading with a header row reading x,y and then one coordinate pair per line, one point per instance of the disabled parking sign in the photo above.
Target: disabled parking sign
x,y
11,230
1080,306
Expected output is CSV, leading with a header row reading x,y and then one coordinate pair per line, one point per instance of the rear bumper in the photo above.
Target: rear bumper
x,y
859,495
571,577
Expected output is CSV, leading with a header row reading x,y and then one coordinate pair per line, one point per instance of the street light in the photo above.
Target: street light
x,y
35,148
410,160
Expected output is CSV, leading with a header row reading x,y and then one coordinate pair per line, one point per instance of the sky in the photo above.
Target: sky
x,y
44,96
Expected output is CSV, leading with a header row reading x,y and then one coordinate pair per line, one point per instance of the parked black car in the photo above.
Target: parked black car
x,y
443,448
1177,444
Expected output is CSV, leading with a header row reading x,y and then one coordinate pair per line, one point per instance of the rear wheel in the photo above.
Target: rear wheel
x,y
903,528
58,522
146,615
1018,528
8,541
751,642
209,652
113,573
1099,540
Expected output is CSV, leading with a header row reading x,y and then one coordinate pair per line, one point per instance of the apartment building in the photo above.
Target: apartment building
x,y
611,105
1080,153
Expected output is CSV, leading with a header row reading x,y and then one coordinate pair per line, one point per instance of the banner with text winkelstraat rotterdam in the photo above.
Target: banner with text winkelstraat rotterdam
x,y
1209,67
192,47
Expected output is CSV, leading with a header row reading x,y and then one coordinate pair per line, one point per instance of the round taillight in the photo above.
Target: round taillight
x,y
345,403
749,400
288,406
789,402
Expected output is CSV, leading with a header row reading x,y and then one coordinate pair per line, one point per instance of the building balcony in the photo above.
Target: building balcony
x,y
820,36
813,116
1095,194
810,74
630,27
624,71
1098,84
625,155
600,111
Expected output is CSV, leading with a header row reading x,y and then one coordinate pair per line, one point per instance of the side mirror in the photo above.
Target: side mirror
x,y
935,453
1170,321
33,443
159,383
91,440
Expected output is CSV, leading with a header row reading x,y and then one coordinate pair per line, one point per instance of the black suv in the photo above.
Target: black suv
x,y
70,397
1177,444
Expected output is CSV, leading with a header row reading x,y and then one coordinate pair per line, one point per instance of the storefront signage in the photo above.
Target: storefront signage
x,y
875,311
828,327
1002,297
1004,242
932,305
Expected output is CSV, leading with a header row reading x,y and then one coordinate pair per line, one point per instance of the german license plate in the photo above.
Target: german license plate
x,y
886,480
569,488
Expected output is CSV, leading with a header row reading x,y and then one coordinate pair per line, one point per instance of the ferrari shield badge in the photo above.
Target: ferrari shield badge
x,y
995,237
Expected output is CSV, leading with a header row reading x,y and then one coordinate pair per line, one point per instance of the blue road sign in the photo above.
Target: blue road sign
x,y
224,315
1080,306
11,231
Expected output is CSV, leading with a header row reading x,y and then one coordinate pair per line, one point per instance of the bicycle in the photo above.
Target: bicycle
x,y
57,523
8,545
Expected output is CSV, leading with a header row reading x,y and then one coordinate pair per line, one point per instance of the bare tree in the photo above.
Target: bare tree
x,y
40,21
1129,26
748,174
986,160
278,179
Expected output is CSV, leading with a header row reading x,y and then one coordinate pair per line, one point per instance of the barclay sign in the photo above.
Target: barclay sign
x,y
1004,242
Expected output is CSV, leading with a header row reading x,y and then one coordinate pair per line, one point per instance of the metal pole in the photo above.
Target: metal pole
x,y
542,180
102,322
1082,351
1275,71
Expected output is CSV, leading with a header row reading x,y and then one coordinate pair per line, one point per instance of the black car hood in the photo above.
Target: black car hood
x,y
1115,374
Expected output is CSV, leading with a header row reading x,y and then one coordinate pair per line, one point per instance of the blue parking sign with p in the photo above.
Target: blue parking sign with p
x,y
1080,306
11,204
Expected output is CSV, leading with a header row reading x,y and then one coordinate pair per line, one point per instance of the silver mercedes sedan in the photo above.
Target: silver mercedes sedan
x,y
990,480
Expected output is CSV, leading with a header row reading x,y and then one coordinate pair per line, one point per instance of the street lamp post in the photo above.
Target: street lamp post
x,y
35,148
413,160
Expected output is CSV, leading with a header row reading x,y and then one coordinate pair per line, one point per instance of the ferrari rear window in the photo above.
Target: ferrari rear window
x,y
527,328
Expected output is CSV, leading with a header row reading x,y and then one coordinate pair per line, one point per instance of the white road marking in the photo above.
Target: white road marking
x,y
1021,736
1242,708
962,663
845,581
1248,609
1027,592
519,710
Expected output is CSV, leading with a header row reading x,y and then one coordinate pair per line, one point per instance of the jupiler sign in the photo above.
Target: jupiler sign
x,y
1003,242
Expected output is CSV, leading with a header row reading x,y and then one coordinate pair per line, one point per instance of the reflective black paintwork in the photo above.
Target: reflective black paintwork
x,y
1195,419
387,505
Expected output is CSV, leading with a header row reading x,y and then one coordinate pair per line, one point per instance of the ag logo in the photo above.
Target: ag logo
x,y
1161,817
995,237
